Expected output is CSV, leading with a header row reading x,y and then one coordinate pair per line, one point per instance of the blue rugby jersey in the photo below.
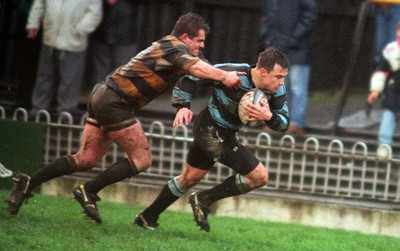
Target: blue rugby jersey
x,y
223,104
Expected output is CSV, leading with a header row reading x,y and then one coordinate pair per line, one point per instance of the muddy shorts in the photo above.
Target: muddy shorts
x,y
213,143
107,110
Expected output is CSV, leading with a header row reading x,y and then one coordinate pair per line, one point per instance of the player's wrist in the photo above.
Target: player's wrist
x,y
269,116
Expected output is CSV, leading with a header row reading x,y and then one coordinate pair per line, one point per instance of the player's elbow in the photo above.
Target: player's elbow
x,y
284,128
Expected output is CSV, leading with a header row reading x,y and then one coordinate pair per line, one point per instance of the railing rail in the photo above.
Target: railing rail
x,y
310,167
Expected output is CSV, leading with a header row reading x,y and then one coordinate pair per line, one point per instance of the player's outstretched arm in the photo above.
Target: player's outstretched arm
x,y
205,70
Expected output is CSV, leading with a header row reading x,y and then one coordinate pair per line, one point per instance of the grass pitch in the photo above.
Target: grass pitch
x,y
56,223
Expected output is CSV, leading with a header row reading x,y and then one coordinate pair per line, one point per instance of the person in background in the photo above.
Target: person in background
x,y
66,28
112,119
387,16
18,54
385,83
288,25
114,42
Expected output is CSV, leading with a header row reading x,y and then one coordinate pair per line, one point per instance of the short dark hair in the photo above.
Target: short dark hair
x,y
190,24
271,56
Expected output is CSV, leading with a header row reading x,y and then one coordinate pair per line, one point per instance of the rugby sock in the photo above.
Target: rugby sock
x,y
162,202
170,193
59,167
227,188
119,171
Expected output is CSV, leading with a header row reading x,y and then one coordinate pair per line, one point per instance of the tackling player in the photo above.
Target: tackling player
x,y
111,113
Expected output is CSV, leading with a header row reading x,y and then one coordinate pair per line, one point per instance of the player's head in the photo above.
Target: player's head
x,y
271,69
190,23
271,56
191,29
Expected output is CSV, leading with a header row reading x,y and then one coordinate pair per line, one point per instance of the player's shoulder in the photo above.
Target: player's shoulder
x,y
170,42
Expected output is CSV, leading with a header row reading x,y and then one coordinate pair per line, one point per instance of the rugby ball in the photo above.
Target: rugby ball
x,y
251,97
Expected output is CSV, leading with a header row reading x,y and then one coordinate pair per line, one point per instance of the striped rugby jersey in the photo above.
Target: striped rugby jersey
x,y
223,104
152,71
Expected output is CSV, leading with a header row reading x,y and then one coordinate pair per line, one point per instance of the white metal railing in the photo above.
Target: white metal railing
x,y
309,167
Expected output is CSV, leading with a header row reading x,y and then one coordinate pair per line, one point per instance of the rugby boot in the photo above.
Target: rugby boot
x,y
146,222
88,203
18,193
200,212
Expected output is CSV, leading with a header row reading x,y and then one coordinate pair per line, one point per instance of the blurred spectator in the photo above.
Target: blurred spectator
x,y
114,42
288,25
17,54
387,16
66,27
385,81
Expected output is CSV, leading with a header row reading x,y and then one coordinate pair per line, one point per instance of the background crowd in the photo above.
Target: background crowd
x,y
78,48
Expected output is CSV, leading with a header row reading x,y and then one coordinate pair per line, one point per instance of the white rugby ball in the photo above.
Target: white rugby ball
x,y
251,97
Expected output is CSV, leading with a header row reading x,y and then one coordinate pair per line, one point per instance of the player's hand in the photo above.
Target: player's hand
x,y
232,79
372,97
183,116
259,112
240,73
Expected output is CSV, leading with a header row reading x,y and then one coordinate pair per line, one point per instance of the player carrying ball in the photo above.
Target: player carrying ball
x,y
215,130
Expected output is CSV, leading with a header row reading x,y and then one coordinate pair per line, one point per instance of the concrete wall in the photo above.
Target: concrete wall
x,y
370,221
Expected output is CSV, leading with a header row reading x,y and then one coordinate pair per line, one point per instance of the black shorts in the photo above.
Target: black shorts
x,y
107,110
213,143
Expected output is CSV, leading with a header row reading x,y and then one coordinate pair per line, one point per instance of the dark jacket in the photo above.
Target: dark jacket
x,y
391,94
389,64
119,23
288,25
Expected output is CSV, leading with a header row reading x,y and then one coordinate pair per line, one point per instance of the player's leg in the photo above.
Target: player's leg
x,y
250,175
235,185
199,160
133,141
171,192
85,159
94,145
116,122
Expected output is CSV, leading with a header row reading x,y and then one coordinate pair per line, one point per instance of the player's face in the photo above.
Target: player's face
x,y
272,80
194,44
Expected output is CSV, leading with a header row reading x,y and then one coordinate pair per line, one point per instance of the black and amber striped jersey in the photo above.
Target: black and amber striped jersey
x,y
152,71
